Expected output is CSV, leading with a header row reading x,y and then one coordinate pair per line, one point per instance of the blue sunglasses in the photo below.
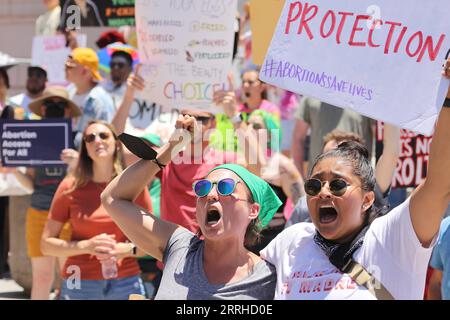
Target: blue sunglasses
x,y
225,187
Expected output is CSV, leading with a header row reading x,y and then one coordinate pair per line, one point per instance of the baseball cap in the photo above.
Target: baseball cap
x,y
88,58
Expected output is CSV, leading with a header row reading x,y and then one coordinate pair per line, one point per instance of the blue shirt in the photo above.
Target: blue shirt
x,y
441,257
98,105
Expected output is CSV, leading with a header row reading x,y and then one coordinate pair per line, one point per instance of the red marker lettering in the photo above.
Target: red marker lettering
x,y
344,16
305,20
391,33
355,29
292,7
376,23
330,13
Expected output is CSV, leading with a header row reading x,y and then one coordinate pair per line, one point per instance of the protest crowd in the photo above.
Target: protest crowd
x,y
234,188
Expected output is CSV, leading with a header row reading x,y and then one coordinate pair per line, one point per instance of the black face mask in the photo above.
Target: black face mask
x,y
54,109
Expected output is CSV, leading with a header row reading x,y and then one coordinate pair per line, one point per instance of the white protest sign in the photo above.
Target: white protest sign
x,y
50,52
383,61
186,47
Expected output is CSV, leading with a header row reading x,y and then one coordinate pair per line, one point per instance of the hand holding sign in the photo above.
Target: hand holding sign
x,y
227,99
134,82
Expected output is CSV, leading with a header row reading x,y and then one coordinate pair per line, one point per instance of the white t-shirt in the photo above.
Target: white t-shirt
x,y
391,252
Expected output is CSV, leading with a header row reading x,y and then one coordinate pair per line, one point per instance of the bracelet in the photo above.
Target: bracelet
x,y
159,164
447,103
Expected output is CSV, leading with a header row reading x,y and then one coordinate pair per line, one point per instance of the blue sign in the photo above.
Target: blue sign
x,y
34,143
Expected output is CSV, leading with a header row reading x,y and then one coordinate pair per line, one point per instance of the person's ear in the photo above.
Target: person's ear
x,y
368,200
254,211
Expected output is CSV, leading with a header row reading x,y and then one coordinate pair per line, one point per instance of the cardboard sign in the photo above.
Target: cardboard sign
x,y
50,52
99,13
186,47
413,160
264,15
33,143
383,61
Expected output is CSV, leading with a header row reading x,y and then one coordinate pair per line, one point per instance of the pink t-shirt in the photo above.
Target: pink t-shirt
x,y
178,201
265,105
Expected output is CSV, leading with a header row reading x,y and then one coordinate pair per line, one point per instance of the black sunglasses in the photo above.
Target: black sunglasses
x,y
55,104
91,137
337,187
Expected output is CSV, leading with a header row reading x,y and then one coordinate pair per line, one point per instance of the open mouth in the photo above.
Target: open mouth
x,y
327,214
213,216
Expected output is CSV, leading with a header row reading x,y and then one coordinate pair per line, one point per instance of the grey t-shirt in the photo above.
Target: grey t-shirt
x,y
184,277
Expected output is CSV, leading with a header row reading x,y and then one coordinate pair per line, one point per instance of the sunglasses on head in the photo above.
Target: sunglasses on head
x,y
225,187
91,137
337,187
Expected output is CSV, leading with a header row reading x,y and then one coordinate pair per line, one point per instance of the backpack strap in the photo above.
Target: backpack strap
x,y
363,278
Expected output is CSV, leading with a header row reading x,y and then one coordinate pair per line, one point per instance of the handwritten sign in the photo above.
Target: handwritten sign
x,y
264,15
50,52
33,143
413,160
383,61
186,47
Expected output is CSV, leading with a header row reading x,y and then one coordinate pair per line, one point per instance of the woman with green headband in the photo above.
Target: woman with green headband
x,y
232,204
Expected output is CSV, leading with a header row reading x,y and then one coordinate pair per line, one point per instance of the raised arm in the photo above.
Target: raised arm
x,y
387,162
134,82
144,229
431,198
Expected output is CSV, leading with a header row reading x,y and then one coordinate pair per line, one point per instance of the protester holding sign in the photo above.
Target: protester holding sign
x,y
96,240
53,104
231,202
332,257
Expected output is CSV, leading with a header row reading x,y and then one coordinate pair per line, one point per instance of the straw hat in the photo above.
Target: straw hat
x,y
54,92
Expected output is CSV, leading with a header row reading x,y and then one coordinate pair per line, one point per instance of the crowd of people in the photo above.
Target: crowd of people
x,y
287,206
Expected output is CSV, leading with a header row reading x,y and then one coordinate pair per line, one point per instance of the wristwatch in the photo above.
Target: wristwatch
x,y
237,118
